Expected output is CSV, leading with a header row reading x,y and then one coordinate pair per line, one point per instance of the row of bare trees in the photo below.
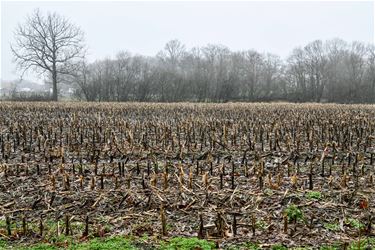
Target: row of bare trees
x,y
333,71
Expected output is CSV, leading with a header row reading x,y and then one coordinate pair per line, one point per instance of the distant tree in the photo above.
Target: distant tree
x,y
254,63
336,53
81,77
355,63
316,62
48,43
173,52
297,74
370,73
270,76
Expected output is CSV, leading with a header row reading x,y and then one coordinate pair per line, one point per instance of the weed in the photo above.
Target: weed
x,y
314,195
268,192
3,244
332,226
294,213
261,224
368,243
355,223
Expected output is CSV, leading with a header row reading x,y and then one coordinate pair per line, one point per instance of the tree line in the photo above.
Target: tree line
x,y
331,71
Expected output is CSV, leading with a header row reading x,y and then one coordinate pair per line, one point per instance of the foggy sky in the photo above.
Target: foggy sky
x,y
145,27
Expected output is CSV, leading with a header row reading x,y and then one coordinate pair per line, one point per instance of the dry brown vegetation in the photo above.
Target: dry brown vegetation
x,y
285,173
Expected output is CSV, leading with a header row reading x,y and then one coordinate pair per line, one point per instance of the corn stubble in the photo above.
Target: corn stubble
x,y
226,172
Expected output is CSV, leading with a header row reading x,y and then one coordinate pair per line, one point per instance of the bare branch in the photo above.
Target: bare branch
x,y
47,44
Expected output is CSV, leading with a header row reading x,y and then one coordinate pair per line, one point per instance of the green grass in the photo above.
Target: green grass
x,y
246,245
49,229
367,243
268,192
177,243
301,248
329,248
3,244
279,247
41,247
261,224
2,224
187,244
117,242
355,223
251,246
294,213
332,226
313,195
364,244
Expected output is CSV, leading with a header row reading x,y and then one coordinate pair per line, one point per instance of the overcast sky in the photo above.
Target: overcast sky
x,y
145,27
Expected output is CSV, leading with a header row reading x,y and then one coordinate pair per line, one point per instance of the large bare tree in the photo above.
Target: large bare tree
x,y
48,44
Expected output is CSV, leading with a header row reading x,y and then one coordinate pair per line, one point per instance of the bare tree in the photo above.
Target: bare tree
x,y
81,77
336,53
47,43
355,66
297,72
270,74
316,61
173,51
253,62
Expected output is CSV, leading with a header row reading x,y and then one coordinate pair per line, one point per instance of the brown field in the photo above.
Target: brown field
x,y
292,174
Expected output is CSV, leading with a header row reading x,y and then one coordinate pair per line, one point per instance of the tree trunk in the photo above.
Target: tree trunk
x,y
54,85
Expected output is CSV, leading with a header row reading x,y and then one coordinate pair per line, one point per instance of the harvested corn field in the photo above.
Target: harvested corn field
x,y
242,175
